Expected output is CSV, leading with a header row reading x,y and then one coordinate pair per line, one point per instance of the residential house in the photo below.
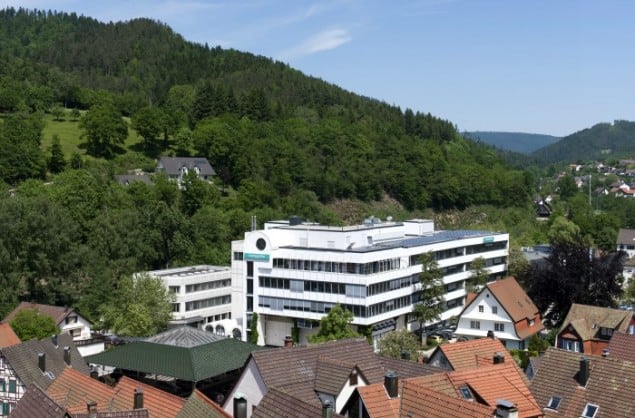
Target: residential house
x,y
82,396
317,374
277,403
571,385
626,241
471,354
68,319
176,167
493,387
35,361
501,307
202,298
206,361
588,329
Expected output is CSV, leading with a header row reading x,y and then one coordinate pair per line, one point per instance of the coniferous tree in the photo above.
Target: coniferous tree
x,y
56,162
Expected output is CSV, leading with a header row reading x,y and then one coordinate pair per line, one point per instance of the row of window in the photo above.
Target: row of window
x,y
207,303
334,267
481,309
360,311
215,284
355,291
499,327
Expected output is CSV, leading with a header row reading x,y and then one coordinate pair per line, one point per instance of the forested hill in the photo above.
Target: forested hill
x,y
258,121
523,143
602,141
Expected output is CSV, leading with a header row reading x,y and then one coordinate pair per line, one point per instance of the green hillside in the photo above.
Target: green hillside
x,y
601,142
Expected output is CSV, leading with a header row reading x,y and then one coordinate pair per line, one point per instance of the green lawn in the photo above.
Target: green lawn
x,y
69,133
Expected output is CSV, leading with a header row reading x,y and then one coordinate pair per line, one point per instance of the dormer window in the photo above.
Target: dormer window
x,y
590,410
353,378
606,332
466,393
554,402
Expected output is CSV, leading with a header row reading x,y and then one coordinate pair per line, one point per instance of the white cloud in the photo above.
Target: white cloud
x,y
323,41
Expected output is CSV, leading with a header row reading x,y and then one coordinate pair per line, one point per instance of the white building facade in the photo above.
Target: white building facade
x,y
202,297
291,273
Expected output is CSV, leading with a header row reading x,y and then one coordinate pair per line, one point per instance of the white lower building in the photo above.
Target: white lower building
x,y
203,297
291,273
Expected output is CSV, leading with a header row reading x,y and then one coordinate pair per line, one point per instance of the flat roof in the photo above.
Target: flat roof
x,y
190,270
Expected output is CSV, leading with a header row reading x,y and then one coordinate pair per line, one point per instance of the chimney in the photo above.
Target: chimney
x,y
505,409
499,358
288,341
605,352
54,340
67,355
490,334
584,371
240,406
391,383
92,409
327,410
138,398
41,361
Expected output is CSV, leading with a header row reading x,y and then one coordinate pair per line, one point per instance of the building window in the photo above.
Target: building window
x,y
5,409
606,332
532,322
590,410
465,391
554,402
499,327
176,307
495,310
475,324
12,386
481,308
174,289
238,255
570,345
3,386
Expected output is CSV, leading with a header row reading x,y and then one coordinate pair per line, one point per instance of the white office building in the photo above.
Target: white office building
x,y
291,273
202,298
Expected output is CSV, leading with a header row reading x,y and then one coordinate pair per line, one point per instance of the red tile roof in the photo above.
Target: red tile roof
x,y
159,403
488,384
419,401
473,353
377,402
279,404
517,304
622,346
8,336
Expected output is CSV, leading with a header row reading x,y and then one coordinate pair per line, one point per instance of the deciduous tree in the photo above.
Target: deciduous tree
x,y
30,323
104,130
398,344
431,295
335,326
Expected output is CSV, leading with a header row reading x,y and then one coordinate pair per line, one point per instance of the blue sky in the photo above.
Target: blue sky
x,y
542,66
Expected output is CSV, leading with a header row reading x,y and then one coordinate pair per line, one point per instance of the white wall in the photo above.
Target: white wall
x,y
250,385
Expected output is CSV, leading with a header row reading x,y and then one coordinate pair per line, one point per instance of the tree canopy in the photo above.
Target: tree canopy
x,y
401,344
430,304
30,324
334,326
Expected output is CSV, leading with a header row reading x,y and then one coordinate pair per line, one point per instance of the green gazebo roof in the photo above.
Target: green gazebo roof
x,y
191,364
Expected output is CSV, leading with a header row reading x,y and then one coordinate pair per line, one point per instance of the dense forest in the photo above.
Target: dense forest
x,y
280,142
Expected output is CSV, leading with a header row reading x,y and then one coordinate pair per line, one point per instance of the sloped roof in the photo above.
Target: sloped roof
x,y
278,404
609,384
626,236
622,346
192,364
36,403
58,313
513,299
7,336
126,179
469,354
185,336
377,402
160,404
489,384
199,405
23,359
419,401
172,165
73,390
587,320
331,375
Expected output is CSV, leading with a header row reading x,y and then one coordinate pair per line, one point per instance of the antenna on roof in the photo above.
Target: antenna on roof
x,y
253,223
